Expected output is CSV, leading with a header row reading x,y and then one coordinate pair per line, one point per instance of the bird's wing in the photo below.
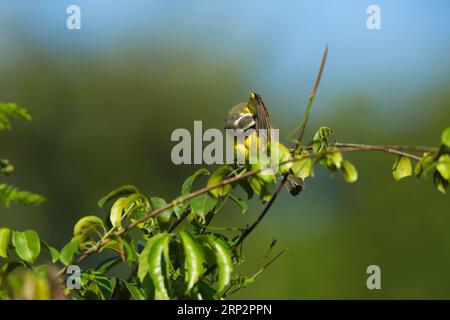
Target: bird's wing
x,y
262,116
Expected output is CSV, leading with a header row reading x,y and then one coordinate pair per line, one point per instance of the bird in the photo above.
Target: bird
x,y
254,115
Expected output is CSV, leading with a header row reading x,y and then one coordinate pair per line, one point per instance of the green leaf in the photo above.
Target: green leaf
x,y
68,252
155,269
260,188
334,160
117,210
206,292
402,168
202,204
27,245
6,167
179,209
187,184
53,252
127,206
121,191
193,258
349,172
11,109
303,168
87,224
6,268
445,138
425,165
218,176
5,236
224,264
443,166
245,185
135,292
96,286
241,203
320,139
267,173
159,203
10,194
439,182
143,256
107,264
105,286
283,155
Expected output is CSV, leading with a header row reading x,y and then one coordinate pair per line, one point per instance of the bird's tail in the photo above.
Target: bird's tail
x,y
294,184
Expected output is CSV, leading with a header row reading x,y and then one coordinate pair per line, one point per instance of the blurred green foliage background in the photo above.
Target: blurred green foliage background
x,y
102,117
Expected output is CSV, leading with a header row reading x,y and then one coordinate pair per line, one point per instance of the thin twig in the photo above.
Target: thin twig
x,y
256,274
231,180
311,99
180,220
390,149
261,216
285,176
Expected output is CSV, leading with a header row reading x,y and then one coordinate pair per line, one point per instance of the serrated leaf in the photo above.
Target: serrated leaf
x,y
223,260
187,184
193,258
202,204
218,176
27,245
402,168
241,203
349,172
5,237
68,251
121,191
53,252
445,138
443,166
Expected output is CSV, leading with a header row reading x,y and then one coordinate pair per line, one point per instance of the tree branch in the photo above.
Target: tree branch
x,y
394,149
339,148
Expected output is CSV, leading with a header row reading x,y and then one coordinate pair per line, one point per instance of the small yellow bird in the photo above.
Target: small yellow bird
x,y
254,115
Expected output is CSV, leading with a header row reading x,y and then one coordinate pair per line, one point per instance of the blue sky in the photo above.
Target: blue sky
x,y
283,39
